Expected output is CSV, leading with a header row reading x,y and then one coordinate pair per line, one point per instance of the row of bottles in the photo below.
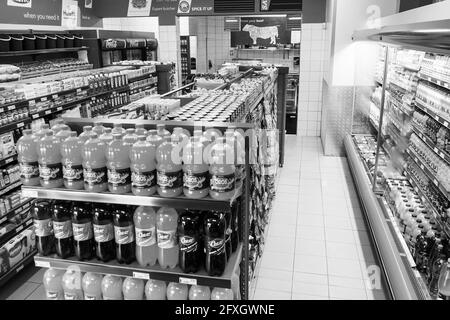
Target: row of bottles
x,y
72,285
133,160
191,239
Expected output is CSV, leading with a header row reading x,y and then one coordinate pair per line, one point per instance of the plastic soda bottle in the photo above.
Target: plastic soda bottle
x,y
143,168
222,171
72,162
179,133
130,136
166,224
92,286
444,282
63,133
41,133
154,139
117,129
162,132
50,168
222,294
43,227
86,134
189,235
177,291
155,290
83,234
133,289
71,283
118,157
106,136
28,159
195,170
98,128
140,130
215,236
53,284
105,246
112,287
94,165
124,234
236,139
145,229
62,227
58,125
169,170
199,293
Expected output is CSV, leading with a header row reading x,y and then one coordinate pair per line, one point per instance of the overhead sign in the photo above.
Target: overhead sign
x,y
195,7
261,31
139,8
31,12
166,10
88,16
70,14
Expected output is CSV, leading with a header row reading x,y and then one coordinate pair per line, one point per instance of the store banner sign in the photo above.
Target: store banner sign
x,y
112,44
261,31
31,12
69,14
166,10
195,7
88,16
139,8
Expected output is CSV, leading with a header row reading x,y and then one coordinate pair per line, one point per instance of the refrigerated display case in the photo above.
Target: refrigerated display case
x,y
398,152
292,103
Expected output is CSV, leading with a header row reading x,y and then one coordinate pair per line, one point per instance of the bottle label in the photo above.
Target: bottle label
x,y
188,244
196,181
103,232
94,177
124,235
119,177
167,239
170,180
50,172
82,231
145,237
215,246
63,230
143,180
29,170
72,173
221,183
51,295
43,228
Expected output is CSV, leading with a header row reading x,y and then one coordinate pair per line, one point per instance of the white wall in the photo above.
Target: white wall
x,y
144,24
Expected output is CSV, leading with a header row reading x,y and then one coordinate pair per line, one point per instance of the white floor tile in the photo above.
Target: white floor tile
x,y
310,247
310,289
339,235
277,261
310,220
272,284
338,222
310,278
311,233
272,295
347,293
300,297
281,245
344,268
282,230
310,264
342,251
276,274
346,282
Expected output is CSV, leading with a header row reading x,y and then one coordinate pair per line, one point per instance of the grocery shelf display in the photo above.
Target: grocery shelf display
x,y
401,170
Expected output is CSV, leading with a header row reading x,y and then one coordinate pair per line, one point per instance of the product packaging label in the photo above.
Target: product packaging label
x,y
170,180
167,239
215,246
188,244
50,172
29,170
43,228
221,183
145,237
94,176
82,231
196,181
119,177
72,173
103,232
63,229
143,180
124,235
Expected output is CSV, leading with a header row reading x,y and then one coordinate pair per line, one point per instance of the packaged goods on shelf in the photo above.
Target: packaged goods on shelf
x,y
135,63
9,73
9,175
434,98
46,67
16,249
7,146
10,201
436,66
228,70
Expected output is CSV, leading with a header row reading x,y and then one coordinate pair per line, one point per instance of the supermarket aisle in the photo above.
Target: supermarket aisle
x,y
318,246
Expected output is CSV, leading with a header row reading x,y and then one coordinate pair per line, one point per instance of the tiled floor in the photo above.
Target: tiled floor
x,y
318,246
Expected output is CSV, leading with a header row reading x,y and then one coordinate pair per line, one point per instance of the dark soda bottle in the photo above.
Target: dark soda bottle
x,y
215,234
234,225
124,234
189,230
228,232
83,234
62,227
43,226
105,247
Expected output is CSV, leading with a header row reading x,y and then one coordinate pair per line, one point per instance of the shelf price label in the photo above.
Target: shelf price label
x,y
2,220
189,281
435,182
54,96
11,107
19,268
43,99
18,229
78,90
42,264
29,193
20,125
141,275
47,112
59,109
34,116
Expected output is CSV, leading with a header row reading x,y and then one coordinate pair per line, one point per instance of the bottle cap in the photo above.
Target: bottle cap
x,y
130,131
142,138
117,136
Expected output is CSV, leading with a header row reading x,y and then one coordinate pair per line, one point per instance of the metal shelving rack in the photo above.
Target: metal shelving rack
x,y
404,280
